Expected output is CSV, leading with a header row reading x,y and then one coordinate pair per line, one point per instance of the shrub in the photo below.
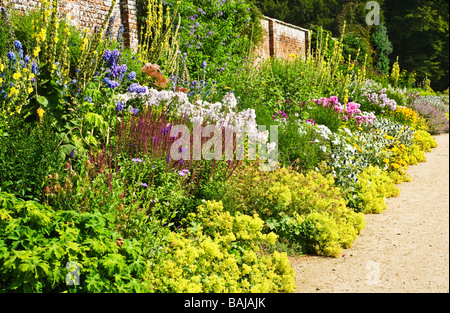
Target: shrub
x,y
300,145
433,109
374,186
285,199
383,47
28,153
327,232
40,250
424,140
219,252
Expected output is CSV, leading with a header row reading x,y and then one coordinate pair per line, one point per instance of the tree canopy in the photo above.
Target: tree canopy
x,y
417,30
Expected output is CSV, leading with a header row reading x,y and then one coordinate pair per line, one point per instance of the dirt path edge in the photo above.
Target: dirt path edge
x,y
405,249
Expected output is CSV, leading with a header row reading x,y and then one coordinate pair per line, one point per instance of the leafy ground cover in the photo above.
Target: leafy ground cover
x,y
100,193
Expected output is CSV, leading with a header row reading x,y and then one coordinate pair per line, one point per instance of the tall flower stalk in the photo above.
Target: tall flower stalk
x,y
158,35
90,56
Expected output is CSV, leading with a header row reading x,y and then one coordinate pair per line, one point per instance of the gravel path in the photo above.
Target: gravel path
x,y
405,249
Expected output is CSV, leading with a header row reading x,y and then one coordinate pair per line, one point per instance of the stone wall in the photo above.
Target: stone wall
x,y
92,13
282,40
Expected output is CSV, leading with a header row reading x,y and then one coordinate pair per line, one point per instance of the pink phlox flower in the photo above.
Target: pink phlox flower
x,y
334,99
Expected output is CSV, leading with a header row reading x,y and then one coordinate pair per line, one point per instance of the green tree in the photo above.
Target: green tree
x,y
383,48
419,33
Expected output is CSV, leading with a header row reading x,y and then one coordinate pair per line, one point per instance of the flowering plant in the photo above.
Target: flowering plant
x,y
376,99
348,111
223,113
216,35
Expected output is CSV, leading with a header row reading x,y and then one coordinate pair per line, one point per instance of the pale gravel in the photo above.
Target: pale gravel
x,y
405,249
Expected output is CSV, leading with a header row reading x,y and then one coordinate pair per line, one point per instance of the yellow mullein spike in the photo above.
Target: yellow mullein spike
x,y
40,113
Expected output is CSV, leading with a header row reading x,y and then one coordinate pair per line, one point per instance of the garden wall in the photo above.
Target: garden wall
x,y
282,40
91,13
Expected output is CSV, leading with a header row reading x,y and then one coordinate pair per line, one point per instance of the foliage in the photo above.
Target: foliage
x,y
142,196
374,186
215,36
384,48
326,233
28,153
419,34
291,202
40,250
86,137
157,37
300,145
433,110
424,140
220,252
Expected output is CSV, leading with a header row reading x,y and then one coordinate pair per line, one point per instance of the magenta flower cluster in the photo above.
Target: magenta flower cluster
x,y
279,114
349,111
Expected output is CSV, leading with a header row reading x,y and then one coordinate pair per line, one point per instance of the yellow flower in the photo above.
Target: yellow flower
x,y
36,51
30,90
17,75
1,80
2,67
13,92
40,113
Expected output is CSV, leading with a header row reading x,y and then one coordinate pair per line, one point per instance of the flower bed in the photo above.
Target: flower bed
x,y
113,176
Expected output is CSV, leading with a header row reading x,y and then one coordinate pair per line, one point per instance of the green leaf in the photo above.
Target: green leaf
x,y
42,101
94,119
113,263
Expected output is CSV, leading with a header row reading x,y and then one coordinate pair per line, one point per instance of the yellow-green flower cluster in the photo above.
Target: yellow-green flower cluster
x,y
16,83
374,187
283,190
395,74
220,253
305,209
424,140
327,233
156,36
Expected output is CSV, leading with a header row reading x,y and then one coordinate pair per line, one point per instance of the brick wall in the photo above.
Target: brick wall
x,y
92,13
282,40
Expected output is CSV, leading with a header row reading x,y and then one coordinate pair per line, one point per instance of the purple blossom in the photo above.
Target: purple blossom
x,y
183,172
119,106
111,83
11,56
107,55
134,111
136,160
18,45
131,75
115,54
137,88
